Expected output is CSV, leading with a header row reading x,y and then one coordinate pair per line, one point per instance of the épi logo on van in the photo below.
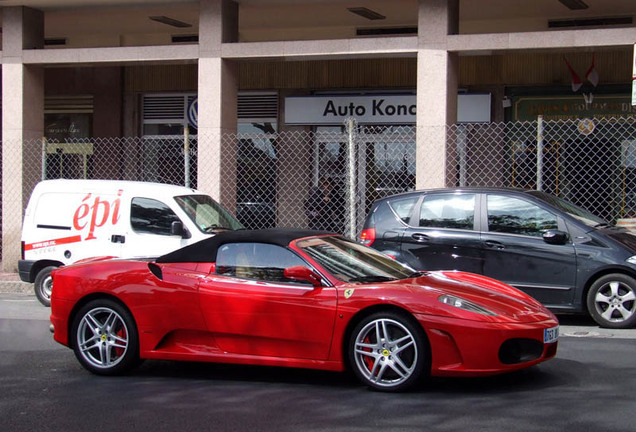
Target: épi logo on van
x,y
96,212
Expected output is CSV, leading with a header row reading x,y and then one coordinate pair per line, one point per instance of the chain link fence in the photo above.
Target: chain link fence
x,y
329,178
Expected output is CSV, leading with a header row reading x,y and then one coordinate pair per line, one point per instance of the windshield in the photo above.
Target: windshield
x,y
208,215
352,262
567,207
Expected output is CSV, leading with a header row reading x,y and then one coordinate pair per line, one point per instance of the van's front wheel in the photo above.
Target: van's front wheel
x,y
43,285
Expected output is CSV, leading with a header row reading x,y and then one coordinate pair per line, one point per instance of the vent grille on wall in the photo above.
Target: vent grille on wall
x,y
164,107
257,105
68,104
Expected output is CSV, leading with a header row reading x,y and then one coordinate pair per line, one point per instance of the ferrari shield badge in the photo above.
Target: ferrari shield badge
x,y
348,292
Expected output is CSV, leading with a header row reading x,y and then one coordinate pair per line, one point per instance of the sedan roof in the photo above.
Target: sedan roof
x,y
205,250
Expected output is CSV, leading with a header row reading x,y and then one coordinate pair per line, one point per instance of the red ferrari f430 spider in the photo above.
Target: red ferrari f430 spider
x,y
297,298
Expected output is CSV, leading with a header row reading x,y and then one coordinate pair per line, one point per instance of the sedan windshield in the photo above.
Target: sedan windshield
x,y
207,214
567,207
352,262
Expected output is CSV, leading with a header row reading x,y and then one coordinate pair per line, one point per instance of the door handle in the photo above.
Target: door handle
x,y
117,238
494,245
419,237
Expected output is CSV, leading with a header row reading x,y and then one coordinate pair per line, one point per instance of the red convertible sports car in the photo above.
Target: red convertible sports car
x,y
296,298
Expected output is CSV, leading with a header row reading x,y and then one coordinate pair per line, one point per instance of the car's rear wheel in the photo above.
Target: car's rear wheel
x,y
611,301
388,351
43,285
105,338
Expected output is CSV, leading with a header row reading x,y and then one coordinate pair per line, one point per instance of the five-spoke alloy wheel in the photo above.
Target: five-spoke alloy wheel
x,y
612,301
388,351
105,338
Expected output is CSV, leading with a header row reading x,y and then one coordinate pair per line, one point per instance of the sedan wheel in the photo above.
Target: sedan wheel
x,y
106,341
388,352
612,301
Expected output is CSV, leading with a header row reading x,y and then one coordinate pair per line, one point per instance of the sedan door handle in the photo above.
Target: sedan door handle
x,y
494,245
419,237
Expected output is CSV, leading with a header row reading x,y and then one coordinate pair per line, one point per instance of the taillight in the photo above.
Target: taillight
x,y
367,236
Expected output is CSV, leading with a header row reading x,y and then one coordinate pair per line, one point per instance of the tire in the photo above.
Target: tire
x,y
388,351
43,285
105,338
611,301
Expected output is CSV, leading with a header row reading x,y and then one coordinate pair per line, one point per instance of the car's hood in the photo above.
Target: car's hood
x,y
505,302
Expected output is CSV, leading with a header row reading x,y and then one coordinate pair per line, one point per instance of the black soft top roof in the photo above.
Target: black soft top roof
x,y
205,250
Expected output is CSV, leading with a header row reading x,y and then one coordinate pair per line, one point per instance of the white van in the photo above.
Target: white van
x,y
69,220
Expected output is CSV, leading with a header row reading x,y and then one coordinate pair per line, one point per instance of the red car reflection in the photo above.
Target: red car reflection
x,y
295,298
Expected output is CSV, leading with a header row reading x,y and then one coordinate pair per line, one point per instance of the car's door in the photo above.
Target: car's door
x,y
149,229
516,253
443,234
252,309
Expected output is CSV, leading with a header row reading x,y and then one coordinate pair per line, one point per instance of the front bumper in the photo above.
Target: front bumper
x,y
472,348
24,270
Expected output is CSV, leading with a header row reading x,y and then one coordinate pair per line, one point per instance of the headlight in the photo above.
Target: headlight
x,y
631,259
464,304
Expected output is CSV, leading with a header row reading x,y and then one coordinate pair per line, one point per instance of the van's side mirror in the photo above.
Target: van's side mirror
x,y
178,229
555,237
303,274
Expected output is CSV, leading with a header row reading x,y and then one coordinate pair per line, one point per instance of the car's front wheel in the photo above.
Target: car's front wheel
x,y
105,338
388,351
611,301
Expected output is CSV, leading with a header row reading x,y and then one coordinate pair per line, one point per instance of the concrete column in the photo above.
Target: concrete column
x,y
22,123
217,93
437,72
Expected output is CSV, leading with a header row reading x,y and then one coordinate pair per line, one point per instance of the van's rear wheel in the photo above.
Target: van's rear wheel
x,y
43,285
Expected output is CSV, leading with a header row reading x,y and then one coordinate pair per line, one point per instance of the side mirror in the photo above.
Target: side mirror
x,y
177,229
303,274
555,237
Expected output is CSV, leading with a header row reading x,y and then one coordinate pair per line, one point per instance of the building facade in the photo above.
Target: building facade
x,y
298,69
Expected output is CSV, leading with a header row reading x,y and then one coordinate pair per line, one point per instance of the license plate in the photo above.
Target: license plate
x,y
551,335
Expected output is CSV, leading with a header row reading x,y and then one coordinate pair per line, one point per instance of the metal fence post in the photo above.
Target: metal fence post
x,y
539,152
186,156
43,158
351,228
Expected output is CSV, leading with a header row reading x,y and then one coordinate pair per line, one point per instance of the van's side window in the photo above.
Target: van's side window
x,y
151,216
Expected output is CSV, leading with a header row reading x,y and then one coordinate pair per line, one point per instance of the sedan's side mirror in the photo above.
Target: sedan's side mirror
x,y
555,237
177,228
303,274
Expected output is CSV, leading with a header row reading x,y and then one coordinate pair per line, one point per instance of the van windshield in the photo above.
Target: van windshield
x,y
208,215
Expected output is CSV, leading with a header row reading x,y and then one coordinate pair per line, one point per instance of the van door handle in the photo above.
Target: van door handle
x,y
494,245
116,238
419,237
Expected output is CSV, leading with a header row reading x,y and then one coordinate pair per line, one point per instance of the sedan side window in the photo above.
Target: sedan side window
x,y
448,211
151,216
258,261
516,216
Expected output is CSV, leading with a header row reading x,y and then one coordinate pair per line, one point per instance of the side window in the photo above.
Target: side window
x,y
259,261
516,216
151,216
403,207
448,211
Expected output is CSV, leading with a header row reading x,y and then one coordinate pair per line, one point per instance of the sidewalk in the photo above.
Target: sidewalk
x,y
11,283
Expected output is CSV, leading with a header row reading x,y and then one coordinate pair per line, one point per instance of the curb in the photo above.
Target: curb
x,y
11,283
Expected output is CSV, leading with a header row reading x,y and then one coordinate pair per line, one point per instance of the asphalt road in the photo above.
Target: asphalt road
x,y
590,386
